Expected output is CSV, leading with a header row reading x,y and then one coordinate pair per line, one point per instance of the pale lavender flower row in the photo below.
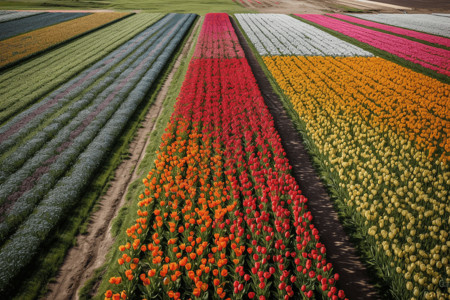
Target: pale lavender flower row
x,y
411,33
436,59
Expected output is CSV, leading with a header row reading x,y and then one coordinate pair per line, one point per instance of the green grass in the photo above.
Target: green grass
x,y
127,214
32,282
180,6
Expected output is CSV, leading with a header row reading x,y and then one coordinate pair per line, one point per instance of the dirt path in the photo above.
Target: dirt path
x,y
354,279
91,249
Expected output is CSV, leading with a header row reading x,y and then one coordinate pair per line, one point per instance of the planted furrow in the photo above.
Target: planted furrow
x,y
16,129
275,34
96,131
128,73
434,24
59,66
430,57
32,43
24,25
401,31
220,216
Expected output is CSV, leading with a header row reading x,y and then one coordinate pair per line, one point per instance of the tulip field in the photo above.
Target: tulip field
x,y
218,213
438,40
428,56
432,24
381,132
45,171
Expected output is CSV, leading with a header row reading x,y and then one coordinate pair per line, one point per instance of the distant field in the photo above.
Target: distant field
x,y
180,6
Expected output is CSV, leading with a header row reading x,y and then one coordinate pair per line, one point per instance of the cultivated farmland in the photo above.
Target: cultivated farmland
x,y
27,44
235,155
380,133
77,122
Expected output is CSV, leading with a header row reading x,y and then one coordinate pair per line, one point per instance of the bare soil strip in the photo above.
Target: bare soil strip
x,y
92,247
438,5
354,279
339,6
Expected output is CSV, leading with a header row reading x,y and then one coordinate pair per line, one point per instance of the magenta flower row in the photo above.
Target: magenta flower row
x,y
436,59
406,32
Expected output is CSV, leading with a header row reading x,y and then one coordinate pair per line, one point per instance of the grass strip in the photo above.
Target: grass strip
x,y
200,7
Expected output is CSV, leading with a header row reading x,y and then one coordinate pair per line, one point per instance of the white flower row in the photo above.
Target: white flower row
x,y
14,15
434,24
276,34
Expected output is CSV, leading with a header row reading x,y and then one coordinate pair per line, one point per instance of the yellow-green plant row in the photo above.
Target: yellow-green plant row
x,y
390,175
24,45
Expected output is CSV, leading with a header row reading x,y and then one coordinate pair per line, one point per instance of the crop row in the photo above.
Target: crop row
x,y
387,95
65,162
433,24
428,56
275,34
8,15
365,119
220,216
25,45
392,29
48,71
23,25
217,39
23,172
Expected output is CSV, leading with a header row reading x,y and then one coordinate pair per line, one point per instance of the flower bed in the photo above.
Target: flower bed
x,y
49,71
275,34
430,57
433,24
25,45
379,133
43,187
414,34
23,25
220,216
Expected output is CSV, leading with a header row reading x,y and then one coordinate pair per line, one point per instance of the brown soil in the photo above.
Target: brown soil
x,y
339,6
435,5
354,279
92,247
